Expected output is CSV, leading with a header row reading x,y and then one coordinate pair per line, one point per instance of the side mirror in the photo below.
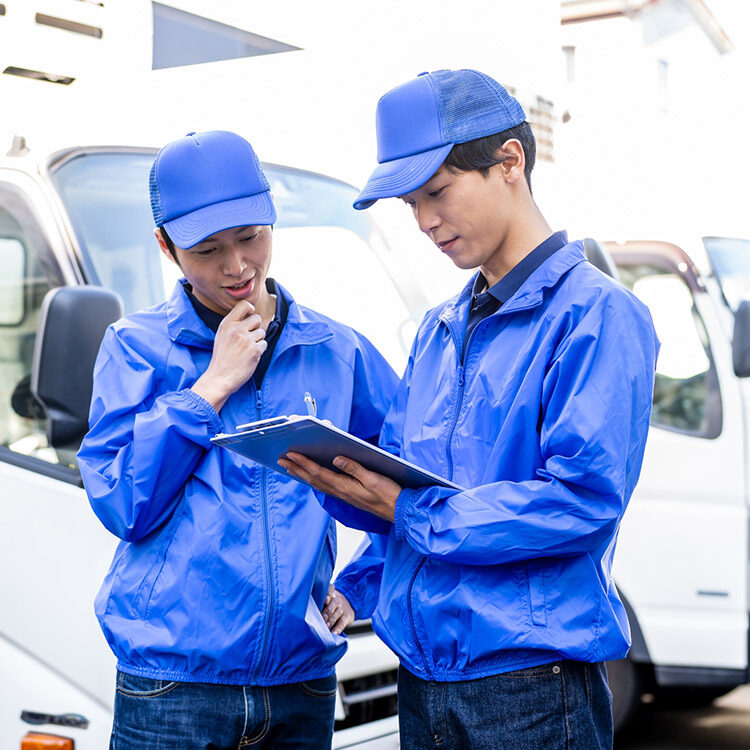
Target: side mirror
x,y
599,256
71,327
741,340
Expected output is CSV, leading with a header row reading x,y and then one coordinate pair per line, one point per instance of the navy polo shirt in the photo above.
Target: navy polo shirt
x,y
484,301
213,319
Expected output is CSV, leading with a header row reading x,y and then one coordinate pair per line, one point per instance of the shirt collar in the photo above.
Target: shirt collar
x,y
504,289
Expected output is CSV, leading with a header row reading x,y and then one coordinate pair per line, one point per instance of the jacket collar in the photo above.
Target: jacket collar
x,y
185,326
531,292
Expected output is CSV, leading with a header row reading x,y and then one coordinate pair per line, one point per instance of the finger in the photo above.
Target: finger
x,y
331,614
313,468
241,310
353,469
332,482
299,473
342,624
253,322
336,621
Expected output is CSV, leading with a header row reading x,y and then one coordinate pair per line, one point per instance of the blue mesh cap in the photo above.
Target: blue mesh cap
x,y
206,182
419,122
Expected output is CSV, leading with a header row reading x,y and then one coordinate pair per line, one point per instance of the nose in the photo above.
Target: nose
x,y
427,219
234,262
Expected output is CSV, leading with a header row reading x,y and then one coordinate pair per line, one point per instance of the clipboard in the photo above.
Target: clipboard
x,y
268,440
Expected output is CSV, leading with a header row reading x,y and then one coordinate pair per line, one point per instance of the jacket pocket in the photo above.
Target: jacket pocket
x,y
537,594
143,687
326,564
142,598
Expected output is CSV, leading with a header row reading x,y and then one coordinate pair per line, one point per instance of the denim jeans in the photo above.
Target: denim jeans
x,y
160,715
562,706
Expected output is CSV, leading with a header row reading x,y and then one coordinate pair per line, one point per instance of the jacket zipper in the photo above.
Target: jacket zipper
x,y
450,476
267,547
459,400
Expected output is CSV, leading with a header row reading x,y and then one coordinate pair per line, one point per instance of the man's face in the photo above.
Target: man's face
x,y
465,214
228,266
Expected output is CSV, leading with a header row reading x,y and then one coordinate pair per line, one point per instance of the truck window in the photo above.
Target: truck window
x,y
686,390
106,196
29,272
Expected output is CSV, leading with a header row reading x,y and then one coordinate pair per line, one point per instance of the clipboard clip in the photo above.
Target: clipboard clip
x,y
312,407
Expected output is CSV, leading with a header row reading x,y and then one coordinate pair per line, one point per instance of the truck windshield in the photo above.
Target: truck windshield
x,y
730,259
323,248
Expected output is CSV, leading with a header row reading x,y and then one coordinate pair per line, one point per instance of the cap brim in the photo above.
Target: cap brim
x,y
400,176
189,230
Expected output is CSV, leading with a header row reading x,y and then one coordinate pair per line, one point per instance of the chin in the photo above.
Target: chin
x,y
465,264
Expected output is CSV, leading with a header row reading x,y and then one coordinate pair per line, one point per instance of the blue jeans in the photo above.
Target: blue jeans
x,y
562,706
160,715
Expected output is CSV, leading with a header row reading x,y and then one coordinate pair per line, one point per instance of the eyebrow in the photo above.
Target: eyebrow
x,y
237,230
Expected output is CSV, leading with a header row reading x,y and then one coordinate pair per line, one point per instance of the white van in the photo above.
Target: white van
x,y
79,220
683,555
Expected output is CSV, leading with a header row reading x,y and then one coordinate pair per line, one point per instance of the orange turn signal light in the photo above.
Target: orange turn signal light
x,y
37,741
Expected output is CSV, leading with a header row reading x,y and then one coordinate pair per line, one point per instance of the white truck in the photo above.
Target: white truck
x,y
683,555
79,221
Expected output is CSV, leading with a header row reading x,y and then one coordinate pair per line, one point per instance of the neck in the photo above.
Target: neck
x,y
526,234
266,306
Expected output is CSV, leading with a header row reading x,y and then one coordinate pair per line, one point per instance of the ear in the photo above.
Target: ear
x,y
514,161
163,246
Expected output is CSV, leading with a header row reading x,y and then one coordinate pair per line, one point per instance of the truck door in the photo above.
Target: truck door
x,y
682,555
53,552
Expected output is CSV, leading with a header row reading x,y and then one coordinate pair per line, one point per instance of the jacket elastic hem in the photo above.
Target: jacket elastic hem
x,y
175,676
215,423
475,674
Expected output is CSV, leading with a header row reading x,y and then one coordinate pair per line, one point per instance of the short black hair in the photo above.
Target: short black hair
x,y
168,242
481,154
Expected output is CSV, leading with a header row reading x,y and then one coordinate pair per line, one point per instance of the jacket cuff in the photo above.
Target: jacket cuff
x,y
215,423
405,498
343,587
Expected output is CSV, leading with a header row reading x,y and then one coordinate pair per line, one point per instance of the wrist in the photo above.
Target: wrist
x,y
211,390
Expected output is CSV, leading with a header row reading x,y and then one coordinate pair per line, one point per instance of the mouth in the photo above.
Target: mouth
x,y
447,245
241,288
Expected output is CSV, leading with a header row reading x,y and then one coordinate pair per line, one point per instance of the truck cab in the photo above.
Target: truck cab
x,y
683,556
80,218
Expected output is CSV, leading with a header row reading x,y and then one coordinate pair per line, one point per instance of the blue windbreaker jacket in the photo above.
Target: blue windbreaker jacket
x,y
544,422
224,565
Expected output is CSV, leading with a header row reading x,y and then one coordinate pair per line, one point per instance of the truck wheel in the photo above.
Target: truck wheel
x,y
625,684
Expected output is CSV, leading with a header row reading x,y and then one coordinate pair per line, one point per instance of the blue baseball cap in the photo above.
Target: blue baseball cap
x,y
420,121
207,182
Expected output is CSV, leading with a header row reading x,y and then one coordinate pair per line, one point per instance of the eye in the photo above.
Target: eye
x,y
249,238
435,193
206,251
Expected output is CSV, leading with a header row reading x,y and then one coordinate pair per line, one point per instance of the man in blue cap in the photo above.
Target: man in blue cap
x,y
532,389
213,602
